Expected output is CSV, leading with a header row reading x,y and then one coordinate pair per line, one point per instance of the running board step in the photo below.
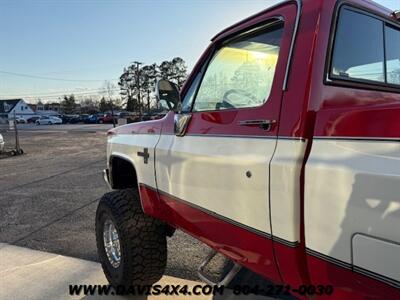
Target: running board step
x,y
228,277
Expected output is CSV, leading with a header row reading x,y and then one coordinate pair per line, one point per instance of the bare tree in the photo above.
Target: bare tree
x,y
129,83
109,89
137,82
103,105
179,71
68,103
149,78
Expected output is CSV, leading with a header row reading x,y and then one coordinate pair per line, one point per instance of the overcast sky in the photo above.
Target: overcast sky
x,y
91,41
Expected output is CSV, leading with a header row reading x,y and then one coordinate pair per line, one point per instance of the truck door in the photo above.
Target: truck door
x,y
352,176
212,169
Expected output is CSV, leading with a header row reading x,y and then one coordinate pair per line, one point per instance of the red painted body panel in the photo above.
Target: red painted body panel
x,y
253,251
147,127
333,111
295,121
309,108
241,245
348,284
245,247
291,263
374,114
347,111
307,93
311,95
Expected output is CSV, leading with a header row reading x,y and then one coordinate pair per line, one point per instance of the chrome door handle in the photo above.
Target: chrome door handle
x,y
263,124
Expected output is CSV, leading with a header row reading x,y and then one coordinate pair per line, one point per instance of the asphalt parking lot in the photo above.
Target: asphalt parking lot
x,y
49,196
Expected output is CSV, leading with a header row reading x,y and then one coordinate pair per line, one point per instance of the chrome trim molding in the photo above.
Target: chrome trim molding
x,y
377,276
328,258
356,269
352,138
133,132
292,43
149,187
229,28
292,138
233,136
274,137
270,22
225,219
216,215
285,242
106,178
291,49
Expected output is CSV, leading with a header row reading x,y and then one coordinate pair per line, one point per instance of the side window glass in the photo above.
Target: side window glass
x,y
241,73
189,97
392,38
366,49
358,51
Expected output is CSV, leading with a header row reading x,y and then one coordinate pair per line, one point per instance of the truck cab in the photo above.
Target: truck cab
x,y
281,152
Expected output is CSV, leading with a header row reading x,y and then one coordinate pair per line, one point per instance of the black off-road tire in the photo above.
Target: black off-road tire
x,y
142,240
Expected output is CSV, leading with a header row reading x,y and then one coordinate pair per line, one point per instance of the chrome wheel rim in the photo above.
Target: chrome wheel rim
x,y
111,243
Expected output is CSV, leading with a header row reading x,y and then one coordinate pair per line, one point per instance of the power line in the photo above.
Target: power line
x,y
83,69
52,78
56,97
66,92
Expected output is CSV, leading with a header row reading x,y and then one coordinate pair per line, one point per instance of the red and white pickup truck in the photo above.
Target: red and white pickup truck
x,y
282,152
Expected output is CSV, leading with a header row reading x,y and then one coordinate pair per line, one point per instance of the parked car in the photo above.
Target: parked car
x,y
48,120
92,119
283,156
107,118
146,117
65,119
20,120
133,119
157,116
83,118
74,119
32,119
1,143
124,114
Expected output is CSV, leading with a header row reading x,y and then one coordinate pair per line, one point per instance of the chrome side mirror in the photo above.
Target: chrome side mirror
x,y
396,14
168,92
181,123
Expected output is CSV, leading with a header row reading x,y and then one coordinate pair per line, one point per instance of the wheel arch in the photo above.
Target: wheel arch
x,y
123,173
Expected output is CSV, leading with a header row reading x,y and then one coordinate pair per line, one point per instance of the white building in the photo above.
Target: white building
x,y
18,106
48,109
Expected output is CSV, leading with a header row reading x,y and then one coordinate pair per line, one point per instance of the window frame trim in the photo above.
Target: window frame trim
x,y
365,84
257,28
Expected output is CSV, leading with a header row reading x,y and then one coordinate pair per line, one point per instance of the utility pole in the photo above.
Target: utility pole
x,y
112,112
137,63
148,101
109,87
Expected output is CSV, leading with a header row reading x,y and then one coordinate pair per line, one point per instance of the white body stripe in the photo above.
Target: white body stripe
x,y
352,187
285,189
128,145
210,172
